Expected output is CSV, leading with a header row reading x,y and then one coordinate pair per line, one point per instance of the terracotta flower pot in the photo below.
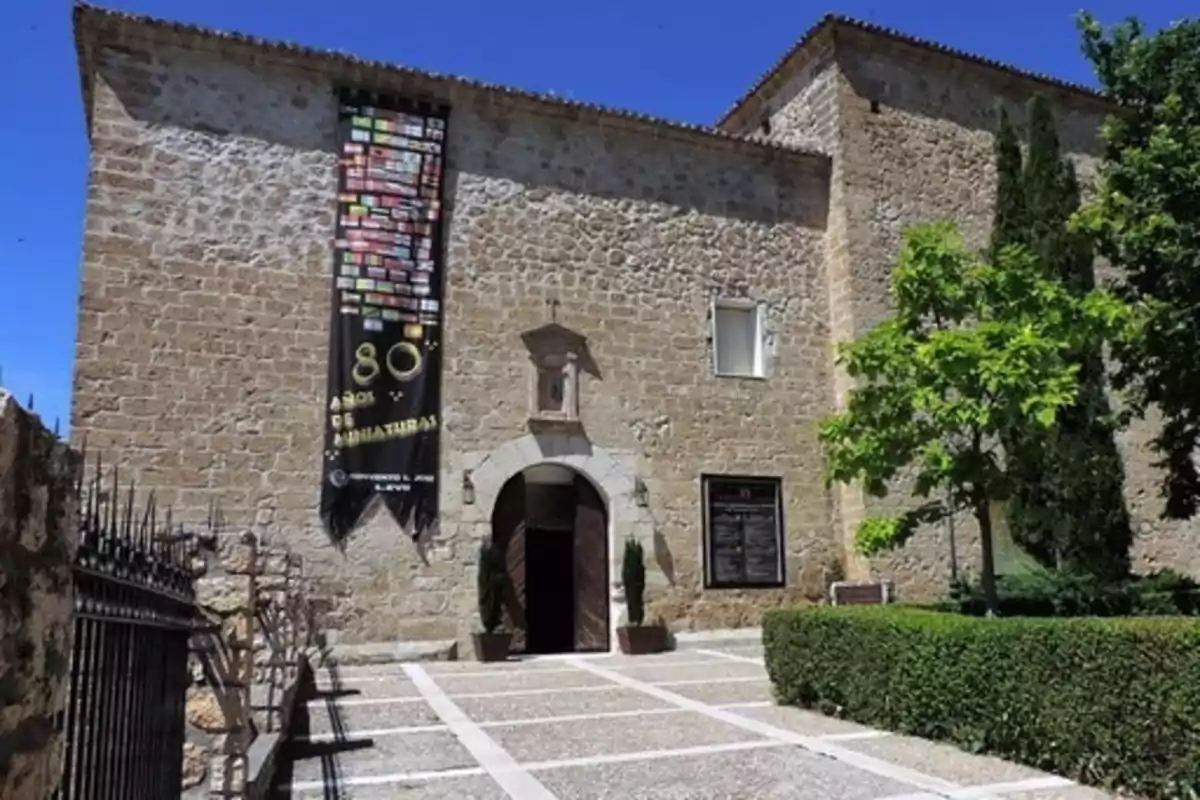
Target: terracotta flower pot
x,y
491,646
639,640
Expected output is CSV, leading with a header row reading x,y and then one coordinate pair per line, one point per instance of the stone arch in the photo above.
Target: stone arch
x,y
611,473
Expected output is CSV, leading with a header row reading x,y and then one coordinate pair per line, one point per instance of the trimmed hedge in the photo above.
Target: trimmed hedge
x,y
1049,593
1110,702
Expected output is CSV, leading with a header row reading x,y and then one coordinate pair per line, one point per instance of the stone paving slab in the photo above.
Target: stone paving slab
x,y
440,668
362,690
564,740
563,678
775,773
622,743
624,663
555,705
618,661
714,670
740,651
1069,793
722,693
325,718
806,723
942,760
469,788
388,755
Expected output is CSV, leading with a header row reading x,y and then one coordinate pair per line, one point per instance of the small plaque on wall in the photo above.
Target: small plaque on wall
x,y
743,532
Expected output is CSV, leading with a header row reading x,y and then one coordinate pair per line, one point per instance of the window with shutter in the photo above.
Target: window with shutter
x,y
737,339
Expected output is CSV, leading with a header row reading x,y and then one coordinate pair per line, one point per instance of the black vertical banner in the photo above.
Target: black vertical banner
x,y
383,410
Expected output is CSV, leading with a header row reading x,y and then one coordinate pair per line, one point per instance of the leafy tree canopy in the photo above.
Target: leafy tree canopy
x,y
1067,504
1145,219
976,346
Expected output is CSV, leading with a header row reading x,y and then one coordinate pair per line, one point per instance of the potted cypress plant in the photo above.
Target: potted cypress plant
x,y
635,638
491,644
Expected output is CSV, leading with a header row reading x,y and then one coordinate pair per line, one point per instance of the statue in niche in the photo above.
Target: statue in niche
x,y
555,354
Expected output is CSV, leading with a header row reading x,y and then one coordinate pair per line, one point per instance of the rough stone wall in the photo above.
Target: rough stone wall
x,y
922,152
39,523
802,105
210,215
246,663
799,103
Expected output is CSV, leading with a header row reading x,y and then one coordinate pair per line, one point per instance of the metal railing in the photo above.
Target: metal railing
x,y
123,724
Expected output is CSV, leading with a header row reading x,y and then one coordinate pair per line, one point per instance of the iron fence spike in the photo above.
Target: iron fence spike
x,y
147,516
149,534
127,528
112,502
79,484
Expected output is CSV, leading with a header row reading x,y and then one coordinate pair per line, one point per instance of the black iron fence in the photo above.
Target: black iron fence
x,y
123,724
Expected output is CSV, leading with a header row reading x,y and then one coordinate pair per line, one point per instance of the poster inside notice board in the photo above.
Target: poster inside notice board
x,y
382,413
743,532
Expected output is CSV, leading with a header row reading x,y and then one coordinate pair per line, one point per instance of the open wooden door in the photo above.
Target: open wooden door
x,y
591,568
508,533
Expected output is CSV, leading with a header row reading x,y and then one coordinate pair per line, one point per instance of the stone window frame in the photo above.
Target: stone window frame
x,y
760,335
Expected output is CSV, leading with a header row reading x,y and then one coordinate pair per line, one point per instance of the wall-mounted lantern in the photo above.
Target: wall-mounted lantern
x,y
641,496
468,488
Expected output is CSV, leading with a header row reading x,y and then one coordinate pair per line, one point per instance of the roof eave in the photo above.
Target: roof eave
x,y
835,21
93,24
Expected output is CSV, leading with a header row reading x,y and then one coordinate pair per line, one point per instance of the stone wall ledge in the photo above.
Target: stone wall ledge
x,y
261,761
349,655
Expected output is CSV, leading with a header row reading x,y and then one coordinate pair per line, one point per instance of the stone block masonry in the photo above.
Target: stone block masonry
x,y
204,317
203,324
247,663
39,520
910,130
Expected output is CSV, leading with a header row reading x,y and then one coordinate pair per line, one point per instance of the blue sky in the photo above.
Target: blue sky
x,y
675,58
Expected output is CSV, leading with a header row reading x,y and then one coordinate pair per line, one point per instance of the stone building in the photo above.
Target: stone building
x,y
629,304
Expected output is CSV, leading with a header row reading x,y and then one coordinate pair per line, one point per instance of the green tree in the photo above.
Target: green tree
x,y
975,347
1145,219
1067,506
1010,225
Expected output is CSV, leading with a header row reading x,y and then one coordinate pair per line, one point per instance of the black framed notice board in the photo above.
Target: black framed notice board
x,y
743,532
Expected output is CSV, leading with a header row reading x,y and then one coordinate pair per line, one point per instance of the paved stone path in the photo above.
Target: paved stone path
x,y
689,725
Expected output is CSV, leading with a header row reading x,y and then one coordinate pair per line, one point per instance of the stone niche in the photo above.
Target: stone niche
x,y
556,356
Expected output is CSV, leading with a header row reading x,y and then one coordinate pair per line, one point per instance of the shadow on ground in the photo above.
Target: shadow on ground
x,y
331,745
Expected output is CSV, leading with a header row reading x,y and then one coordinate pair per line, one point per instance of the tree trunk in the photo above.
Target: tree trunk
x,y
984,517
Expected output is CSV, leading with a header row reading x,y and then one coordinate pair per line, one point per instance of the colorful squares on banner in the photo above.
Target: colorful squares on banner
x,y
391,174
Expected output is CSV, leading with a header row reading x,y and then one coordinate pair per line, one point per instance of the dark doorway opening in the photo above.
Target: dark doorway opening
x,y
553,527
550,591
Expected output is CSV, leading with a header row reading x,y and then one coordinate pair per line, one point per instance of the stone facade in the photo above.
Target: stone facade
x,y
39,520
631,227
913,143
211,213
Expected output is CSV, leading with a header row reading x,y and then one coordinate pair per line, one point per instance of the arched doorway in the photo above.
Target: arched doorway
x,y
552,525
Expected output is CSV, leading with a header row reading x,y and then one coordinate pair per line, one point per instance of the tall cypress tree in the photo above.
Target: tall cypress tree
x,y
1012,225
1009,226
1067,506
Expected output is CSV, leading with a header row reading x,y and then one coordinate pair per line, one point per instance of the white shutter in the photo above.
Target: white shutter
x,y
736,340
